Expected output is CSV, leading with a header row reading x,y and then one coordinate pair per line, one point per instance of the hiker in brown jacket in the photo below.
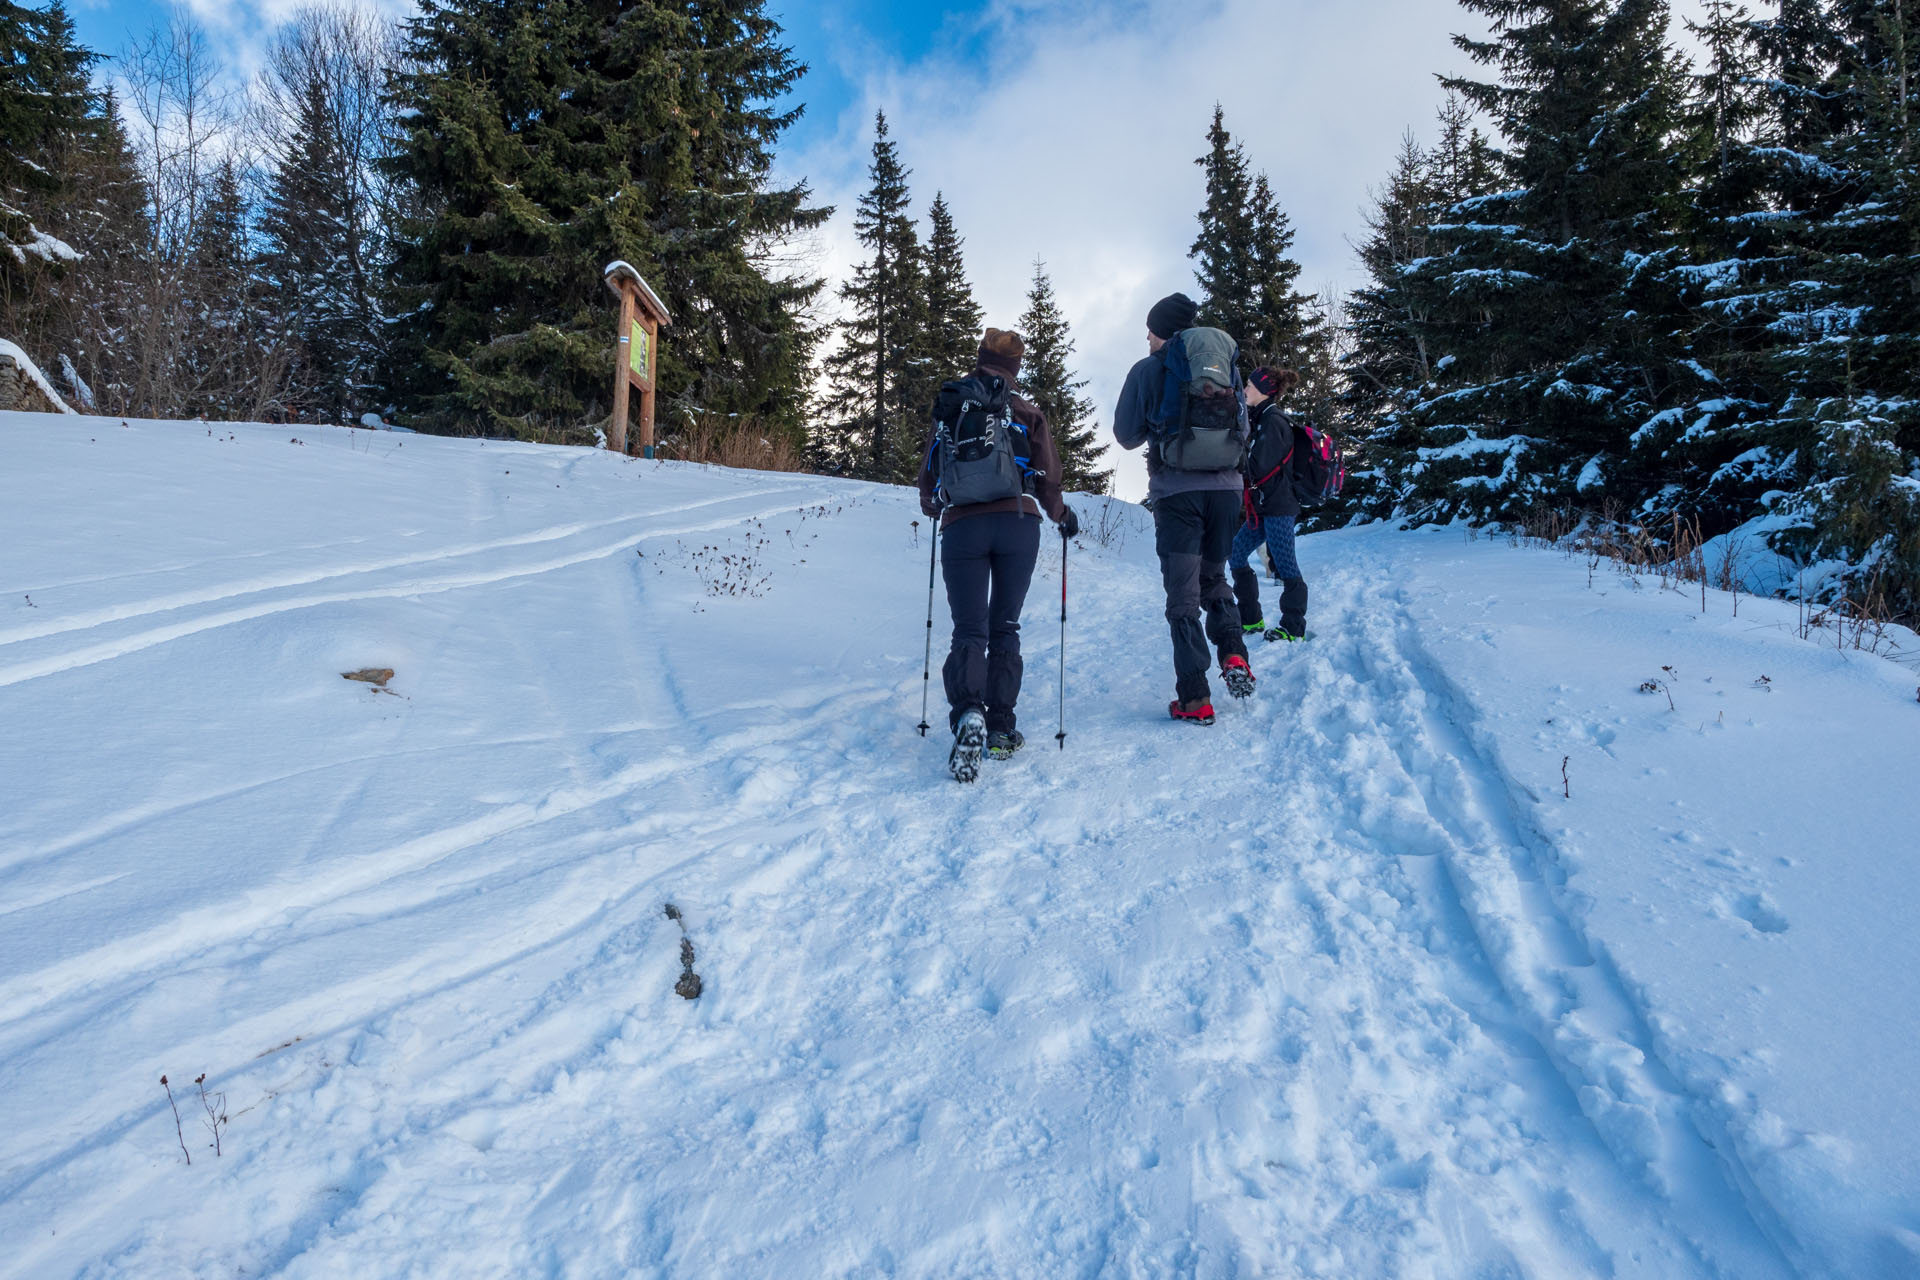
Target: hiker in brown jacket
x,y
989,544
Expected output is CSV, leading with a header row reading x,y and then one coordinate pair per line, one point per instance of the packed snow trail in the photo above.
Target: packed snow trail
x,y
1299,994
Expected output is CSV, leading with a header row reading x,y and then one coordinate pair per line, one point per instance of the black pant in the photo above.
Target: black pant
x,y
1193,532
987,561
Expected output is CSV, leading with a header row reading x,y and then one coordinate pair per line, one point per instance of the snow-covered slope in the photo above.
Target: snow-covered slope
x,y
1345,986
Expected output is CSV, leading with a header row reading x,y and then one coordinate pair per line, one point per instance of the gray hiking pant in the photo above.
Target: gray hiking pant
x,y
1193,532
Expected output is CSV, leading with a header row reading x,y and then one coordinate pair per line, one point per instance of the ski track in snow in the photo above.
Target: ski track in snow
x,y
1292,996
594,548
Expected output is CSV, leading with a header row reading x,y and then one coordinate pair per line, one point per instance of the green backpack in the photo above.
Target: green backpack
x,y
1202,421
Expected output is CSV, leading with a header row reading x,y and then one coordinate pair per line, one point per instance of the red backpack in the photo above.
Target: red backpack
x,y
1303,458
1319,467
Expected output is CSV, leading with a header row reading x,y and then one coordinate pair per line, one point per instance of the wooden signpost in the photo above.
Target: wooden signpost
x,y
637,358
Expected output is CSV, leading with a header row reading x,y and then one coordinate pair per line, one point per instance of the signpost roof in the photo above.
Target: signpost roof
x,y
618,272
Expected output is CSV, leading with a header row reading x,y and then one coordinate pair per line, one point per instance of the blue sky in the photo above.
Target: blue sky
x,y
831,36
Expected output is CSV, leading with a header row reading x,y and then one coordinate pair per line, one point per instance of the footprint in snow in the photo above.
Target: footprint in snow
x,y
1759,911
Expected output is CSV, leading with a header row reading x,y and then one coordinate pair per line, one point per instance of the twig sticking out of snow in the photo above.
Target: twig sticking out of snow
x,y
176,1120
216,1108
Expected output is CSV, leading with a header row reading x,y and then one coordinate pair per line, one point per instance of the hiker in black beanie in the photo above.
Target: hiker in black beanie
x,y
1195,515
1170,315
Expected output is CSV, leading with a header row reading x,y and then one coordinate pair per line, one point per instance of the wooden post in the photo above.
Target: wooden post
x,y
637,354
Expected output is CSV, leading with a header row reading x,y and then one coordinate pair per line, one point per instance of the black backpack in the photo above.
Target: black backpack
x,y
980,451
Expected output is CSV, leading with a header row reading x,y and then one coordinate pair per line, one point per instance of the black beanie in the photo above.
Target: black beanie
x,y
1171,314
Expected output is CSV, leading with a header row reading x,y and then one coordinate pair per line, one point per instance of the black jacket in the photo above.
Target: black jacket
x,y
1276,497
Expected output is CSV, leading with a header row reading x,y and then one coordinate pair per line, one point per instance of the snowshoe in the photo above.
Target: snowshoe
x,y
1281,633
1194,711
1002,744
1237,675
969,736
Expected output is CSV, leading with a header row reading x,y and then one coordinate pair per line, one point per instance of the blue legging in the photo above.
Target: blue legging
x,y
1278,532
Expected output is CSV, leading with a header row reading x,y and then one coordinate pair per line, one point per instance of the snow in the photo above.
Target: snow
x,y
31,371
1593,475
1499,277
1745,554
1347,985
82,392
1560,388
47,248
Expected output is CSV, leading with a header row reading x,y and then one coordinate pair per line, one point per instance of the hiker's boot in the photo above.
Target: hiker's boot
x,y
1237,675
1246,597
1293,608
969,739
1002,743
1191,711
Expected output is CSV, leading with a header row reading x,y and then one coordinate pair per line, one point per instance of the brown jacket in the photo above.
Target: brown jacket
x,y
1045,461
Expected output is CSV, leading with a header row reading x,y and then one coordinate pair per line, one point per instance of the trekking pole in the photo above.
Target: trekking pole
x,y
926,675
1061,737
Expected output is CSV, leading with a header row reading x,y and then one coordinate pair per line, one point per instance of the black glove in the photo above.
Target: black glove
x,y
1069,523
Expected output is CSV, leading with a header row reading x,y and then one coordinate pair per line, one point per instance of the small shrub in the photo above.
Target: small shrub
x,y
727,441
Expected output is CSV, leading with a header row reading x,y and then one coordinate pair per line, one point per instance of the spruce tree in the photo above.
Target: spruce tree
x,y
88,325
229,374
1224,250
953,317
1289,329
879,374
1700,448
1726,104
1854,345
1546,368
740,337
1395,345
497,274
1285,327
1796,50
45,99
543,141
1463,165
1389,360
1244,262
317,298
1048,381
